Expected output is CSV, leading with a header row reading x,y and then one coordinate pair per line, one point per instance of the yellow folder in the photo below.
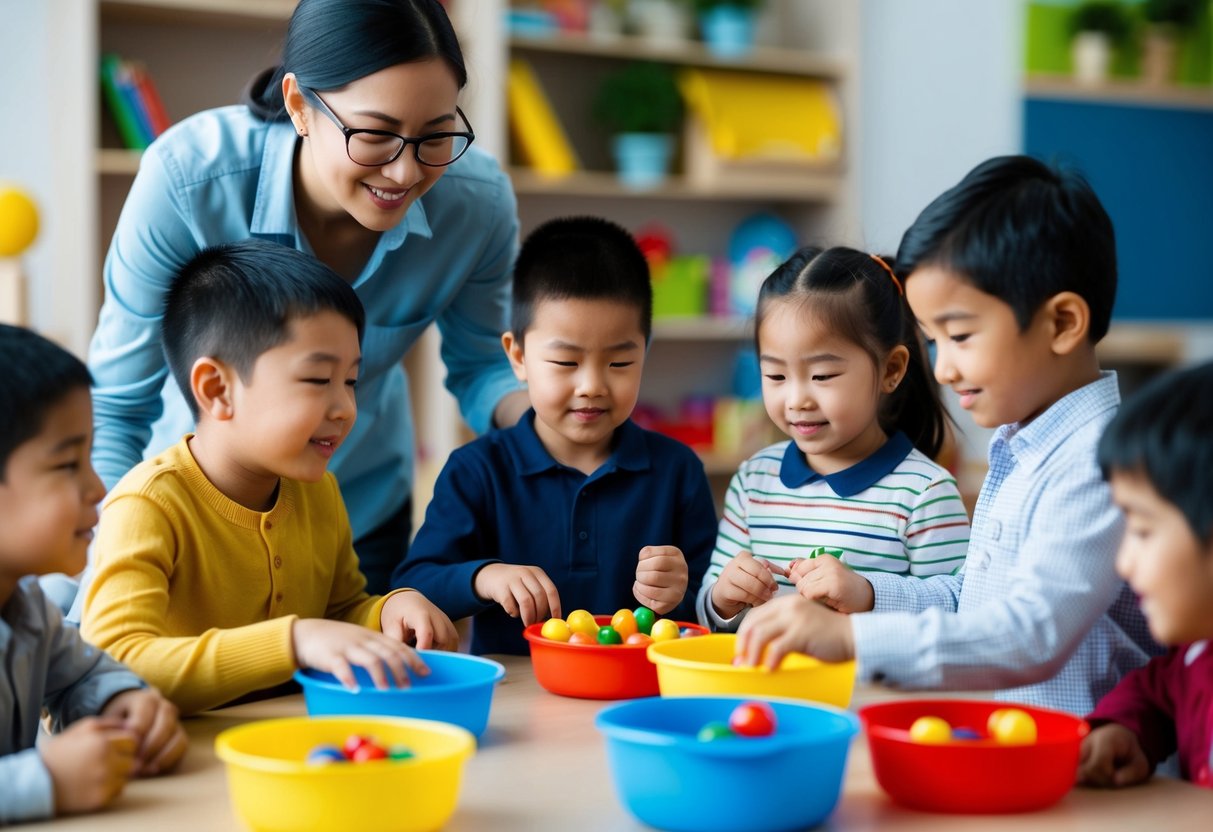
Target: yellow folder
x,y
538,135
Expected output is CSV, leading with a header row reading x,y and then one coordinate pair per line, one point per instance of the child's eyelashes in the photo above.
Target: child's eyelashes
x,y
621,364
563,363
826,377
959,339
773,376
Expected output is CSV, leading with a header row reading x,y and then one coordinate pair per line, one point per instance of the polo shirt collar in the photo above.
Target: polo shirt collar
x,y
795,472
1032,443
630,452
274,206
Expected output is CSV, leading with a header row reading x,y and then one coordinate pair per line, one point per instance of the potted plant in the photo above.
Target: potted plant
x,y
660,21
1165,21
1095,28
640,106
728,25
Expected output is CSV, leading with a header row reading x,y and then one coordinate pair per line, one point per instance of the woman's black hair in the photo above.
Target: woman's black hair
x,y
330,43
856,297
1163,433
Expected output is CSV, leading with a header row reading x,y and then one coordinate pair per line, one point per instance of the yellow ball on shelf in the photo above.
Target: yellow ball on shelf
x,y
18,221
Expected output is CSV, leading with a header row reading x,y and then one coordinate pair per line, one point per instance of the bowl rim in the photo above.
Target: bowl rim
x,y
750,747
902,735
532,634
657,656
465,747
303,677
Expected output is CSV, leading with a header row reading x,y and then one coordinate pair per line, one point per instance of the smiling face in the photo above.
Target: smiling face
x,y
822,390
412,99
1001,374
286,419
49,495
582,362
1164,562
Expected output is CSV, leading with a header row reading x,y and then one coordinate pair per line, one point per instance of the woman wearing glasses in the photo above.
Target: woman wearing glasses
x,y
356,151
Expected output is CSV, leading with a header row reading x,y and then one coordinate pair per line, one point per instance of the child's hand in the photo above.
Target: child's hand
x,y
409,616
1111,756
793,623
661,578
524,592
745,581
333,646
89,763
833,583
153,721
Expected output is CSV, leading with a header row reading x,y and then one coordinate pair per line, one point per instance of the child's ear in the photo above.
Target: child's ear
x,y
1069,316
211,384
513,351
895,365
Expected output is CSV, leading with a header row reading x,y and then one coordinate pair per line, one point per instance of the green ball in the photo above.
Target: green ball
x,y
715,731
644,619
400,752
608,635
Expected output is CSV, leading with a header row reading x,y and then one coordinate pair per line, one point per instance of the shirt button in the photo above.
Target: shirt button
x,y
583,535
995,529
269,524
278,562
983,560
278,597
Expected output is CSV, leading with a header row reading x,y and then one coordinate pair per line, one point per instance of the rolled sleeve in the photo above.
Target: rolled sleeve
x,y
26,789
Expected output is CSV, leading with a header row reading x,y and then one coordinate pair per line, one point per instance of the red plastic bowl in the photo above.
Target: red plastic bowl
x,y
595,671
971,776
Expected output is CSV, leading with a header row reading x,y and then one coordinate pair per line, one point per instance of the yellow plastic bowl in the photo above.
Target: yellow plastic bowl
x,y
274,788
704,665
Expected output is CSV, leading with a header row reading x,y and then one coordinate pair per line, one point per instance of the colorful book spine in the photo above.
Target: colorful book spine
x,y
120,104
150,98
541,141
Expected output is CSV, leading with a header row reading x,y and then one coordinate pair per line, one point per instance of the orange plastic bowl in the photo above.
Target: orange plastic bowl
x,y
971,776
594,671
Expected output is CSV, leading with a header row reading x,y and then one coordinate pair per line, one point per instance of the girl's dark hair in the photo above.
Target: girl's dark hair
x,y
330,43
1162,432
859,300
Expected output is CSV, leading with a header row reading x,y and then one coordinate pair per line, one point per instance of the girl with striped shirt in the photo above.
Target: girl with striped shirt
x,y
845,375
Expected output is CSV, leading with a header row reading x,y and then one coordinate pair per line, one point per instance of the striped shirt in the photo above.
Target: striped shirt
x,y
1038,613
895,512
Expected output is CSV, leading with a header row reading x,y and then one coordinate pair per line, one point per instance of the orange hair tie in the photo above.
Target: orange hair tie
x,y
889,269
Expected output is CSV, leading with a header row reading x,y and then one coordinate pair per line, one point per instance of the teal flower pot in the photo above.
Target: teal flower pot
x,y
728,31
643,159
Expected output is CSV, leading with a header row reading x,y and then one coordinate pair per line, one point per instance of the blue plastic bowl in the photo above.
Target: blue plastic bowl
x,y
458,690
668,778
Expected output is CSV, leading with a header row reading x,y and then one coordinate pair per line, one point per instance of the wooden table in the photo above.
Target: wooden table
x,y
542,765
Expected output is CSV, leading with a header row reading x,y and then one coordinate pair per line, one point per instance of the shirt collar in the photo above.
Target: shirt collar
x,y
1032,443
274,207
795,471
630,452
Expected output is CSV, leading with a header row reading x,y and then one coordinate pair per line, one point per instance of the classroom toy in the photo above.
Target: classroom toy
x,y
608,635
715,730
752,719
638,638
584,638
324,754
624,623
1012,726
556,629
644,619
965,734
664,630
400,752
580,621
930,730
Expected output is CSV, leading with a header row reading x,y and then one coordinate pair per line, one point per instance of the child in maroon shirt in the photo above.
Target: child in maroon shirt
x,y
1158,456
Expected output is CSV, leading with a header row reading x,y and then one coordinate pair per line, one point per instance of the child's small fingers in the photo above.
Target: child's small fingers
x,y
342,671
424,633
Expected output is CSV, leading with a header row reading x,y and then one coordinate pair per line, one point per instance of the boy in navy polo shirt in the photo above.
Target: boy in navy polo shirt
x,y
575,507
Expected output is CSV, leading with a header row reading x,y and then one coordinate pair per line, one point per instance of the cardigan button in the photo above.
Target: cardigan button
x,y
278,562
269,524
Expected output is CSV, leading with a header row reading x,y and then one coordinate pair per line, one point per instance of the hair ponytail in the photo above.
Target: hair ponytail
x,y
859,297
331,43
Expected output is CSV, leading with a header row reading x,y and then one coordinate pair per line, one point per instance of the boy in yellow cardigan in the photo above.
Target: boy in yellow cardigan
x,y
225,562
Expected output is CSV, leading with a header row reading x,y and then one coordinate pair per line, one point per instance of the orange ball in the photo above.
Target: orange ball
x,y
638,638
624,622
578,637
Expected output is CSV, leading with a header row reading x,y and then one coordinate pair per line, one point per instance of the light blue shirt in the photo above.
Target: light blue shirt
x,y
43,662
1038,611
221,176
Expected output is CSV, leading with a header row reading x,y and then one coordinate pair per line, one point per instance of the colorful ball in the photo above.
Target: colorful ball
x,y
584,638
664,630
753,719
324,754
581,621
18,221
400,752
608,635
638,638
555,629
715,731
624,623
644,619
930,730
1012,726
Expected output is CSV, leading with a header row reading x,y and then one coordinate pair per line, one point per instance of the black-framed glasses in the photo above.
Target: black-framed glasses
x,y
376,148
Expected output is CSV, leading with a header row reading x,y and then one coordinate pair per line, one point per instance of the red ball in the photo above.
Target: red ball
x,y
352,743
369,751
753,719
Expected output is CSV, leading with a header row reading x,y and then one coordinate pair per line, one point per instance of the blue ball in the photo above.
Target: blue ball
x,y
965,734
324,754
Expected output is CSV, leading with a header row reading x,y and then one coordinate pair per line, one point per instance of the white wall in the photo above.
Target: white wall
x,y
941,92
49,125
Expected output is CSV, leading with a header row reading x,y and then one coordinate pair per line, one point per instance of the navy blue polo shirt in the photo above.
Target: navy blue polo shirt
x,y
504,499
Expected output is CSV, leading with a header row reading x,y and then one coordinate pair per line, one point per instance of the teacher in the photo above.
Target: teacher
x,y
353,150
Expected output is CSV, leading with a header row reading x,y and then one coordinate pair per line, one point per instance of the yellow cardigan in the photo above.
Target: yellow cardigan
x,y
197,594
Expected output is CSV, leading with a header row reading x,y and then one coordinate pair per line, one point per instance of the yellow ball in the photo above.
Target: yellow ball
x,y
18,221
931,730
581,621
664,630
1011,726
555,629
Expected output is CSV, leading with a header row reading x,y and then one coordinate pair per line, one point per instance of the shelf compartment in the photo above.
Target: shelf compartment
x,y
205,12
825,187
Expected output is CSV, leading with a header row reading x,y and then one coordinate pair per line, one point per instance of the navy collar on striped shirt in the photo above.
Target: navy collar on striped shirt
x,y
795,471
628,451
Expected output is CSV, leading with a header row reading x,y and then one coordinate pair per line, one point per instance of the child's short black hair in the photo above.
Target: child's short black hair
x,y
580,258
1163,432
1023,232
38,374
236,300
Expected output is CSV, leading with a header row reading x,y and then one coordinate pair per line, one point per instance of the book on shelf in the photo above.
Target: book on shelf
x,y
538,135
133,101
